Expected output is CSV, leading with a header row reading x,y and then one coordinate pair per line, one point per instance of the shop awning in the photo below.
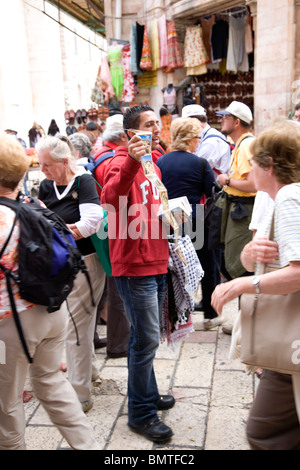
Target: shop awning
x,y
88,12
191,9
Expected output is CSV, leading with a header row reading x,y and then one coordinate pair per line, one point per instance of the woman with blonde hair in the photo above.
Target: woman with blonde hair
x,y
44,334
186,174
274,422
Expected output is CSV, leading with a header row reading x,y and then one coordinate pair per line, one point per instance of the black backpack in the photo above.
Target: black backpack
x,y
49,259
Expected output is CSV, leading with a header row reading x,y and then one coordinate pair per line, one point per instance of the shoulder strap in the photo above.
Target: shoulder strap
x,y
161,150
246,137
104,157
218,136
16,206
203,197
16,316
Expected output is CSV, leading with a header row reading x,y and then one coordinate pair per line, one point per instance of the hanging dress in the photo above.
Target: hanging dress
x,y
154,44
146,61
139,44
105,76
116,70
206,25
163,41
218,40
134,68
195,55
128,88
174,56
237,58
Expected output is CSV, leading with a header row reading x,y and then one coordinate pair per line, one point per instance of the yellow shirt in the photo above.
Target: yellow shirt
x,y
240,164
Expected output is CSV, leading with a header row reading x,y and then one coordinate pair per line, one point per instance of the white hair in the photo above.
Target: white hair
x,y
59,149
112,135
82,143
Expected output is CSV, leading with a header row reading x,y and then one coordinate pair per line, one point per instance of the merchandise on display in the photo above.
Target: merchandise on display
x,y
216,52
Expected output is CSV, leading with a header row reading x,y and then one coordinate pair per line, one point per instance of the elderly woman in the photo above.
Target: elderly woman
x,y
83,147
71,192
44,334
185,174
273,422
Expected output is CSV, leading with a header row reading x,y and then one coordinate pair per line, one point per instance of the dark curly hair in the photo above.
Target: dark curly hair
x,y
132,116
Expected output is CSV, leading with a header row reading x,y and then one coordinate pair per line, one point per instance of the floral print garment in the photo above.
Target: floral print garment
x,y
10,261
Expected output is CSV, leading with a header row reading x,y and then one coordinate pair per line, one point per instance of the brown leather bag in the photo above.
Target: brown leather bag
x,y
271,329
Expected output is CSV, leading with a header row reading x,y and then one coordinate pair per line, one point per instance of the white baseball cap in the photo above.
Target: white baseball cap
x,y
239,110
193,110
114,122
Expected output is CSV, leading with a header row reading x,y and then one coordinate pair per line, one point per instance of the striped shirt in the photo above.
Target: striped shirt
x,y
286,226
287,223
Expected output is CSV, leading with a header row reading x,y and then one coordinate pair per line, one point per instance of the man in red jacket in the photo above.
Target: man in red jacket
x,y
139,258
113,136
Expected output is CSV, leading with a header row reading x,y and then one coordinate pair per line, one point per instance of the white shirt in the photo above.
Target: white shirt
x,y
214,150
286,226
260,209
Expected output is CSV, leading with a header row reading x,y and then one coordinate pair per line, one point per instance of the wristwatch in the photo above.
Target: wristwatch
x,y
227,182
255,282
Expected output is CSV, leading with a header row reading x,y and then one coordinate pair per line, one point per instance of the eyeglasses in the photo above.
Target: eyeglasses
x,y
227,116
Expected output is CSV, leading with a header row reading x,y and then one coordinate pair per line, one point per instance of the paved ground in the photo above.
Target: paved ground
x,y
213,396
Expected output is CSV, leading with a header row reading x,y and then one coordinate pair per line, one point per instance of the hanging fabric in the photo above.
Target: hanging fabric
x,y
195,55
128,87
206,25
116,69
163,40
134,67
148,79
174,56
237,59
146,61
154,44
219,40
105,75
139,44
248,36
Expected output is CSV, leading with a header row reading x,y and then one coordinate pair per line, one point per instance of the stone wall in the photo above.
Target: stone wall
x,y
274,60
45,68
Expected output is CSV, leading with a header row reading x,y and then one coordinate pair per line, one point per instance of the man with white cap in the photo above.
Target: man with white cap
x,y
213,145
238,184
236,122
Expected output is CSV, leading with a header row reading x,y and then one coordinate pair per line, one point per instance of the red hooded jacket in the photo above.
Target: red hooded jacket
x,y
137,238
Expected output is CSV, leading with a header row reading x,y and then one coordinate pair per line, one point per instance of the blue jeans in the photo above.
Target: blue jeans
x,y
143,300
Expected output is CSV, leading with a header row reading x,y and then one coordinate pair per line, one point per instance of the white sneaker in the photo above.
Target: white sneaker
x,y
212,323
87,405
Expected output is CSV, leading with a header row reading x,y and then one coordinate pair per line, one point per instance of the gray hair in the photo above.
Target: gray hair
x,y
112,135
58,149
82,143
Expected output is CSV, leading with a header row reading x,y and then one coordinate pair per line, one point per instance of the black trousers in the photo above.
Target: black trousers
x,y
210,262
